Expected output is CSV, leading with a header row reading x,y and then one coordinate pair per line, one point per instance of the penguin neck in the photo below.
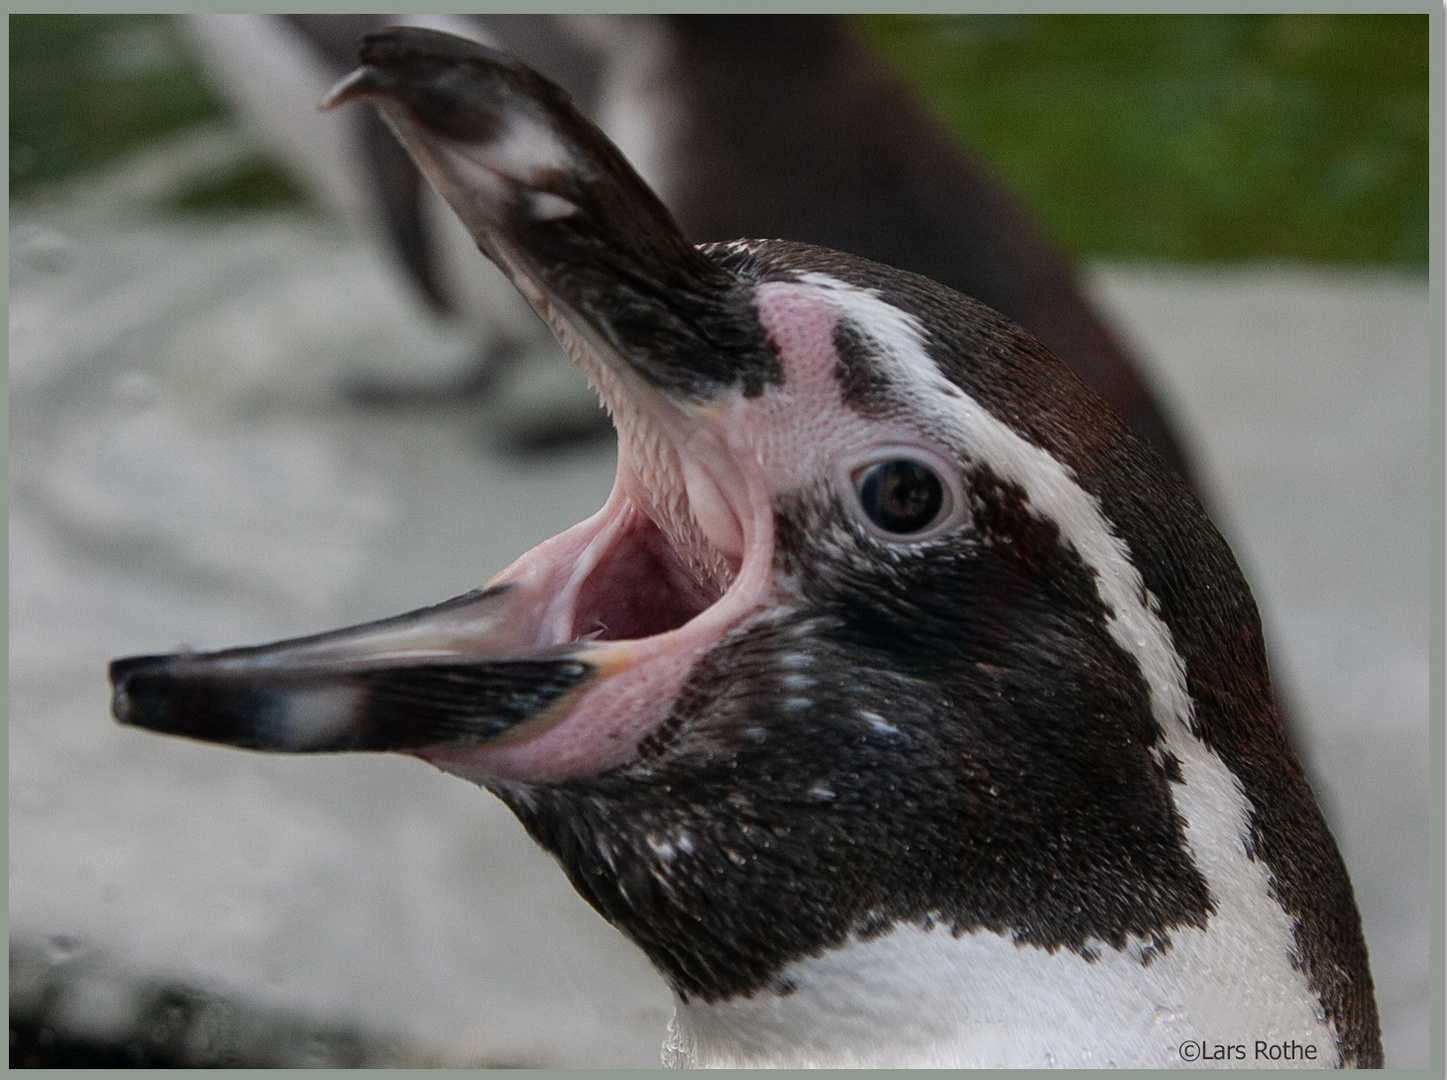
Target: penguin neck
x,y
925,998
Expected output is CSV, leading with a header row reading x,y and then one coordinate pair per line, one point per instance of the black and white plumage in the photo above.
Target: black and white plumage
x,y
899,704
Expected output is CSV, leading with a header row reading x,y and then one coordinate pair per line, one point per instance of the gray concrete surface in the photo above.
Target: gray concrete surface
x,y
183,472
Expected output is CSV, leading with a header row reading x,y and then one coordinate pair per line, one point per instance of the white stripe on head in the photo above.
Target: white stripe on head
x,y
1211,802
1050,486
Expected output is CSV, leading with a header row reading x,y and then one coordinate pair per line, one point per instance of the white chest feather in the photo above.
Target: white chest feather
x,y
926,999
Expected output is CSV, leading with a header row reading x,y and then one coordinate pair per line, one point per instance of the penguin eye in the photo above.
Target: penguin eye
x,y
901,496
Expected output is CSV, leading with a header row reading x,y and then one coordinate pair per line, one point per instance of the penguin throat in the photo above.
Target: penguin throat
x,y
639,586
672,465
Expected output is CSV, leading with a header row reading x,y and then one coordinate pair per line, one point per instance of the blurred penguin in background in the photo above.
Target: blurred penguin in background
x,y
754,126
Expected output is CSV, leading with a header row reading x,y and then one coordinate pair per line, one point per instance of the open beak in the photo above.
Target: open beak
x,y
575,652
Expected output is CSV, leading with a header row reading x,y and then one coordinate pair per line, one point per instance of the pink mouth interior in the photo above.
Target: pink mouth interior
x,y
638,588
617,579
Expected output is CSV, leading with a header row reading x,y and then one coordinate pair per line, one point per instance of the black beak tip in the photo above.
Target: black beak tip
x,y
400,46
143,693
155,694
121,672
449,84
455,86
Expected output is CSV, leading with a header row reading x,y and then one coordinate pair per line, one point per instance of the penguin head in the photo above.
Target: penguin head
x,y
887,622
933,689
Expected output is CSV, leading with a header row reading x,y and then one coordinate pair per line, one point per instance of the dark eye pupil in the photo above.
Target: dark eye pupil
x,y
901,496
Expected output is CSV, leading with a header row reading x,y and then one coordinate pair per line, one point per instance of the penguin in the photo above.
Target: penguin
x,y
782,125
899,704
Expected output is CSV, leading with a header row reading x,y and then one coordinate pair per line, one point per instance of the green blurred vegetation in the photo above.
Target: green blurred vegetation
x,y
254,183
1154,136
87,89
1192,136
84,89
